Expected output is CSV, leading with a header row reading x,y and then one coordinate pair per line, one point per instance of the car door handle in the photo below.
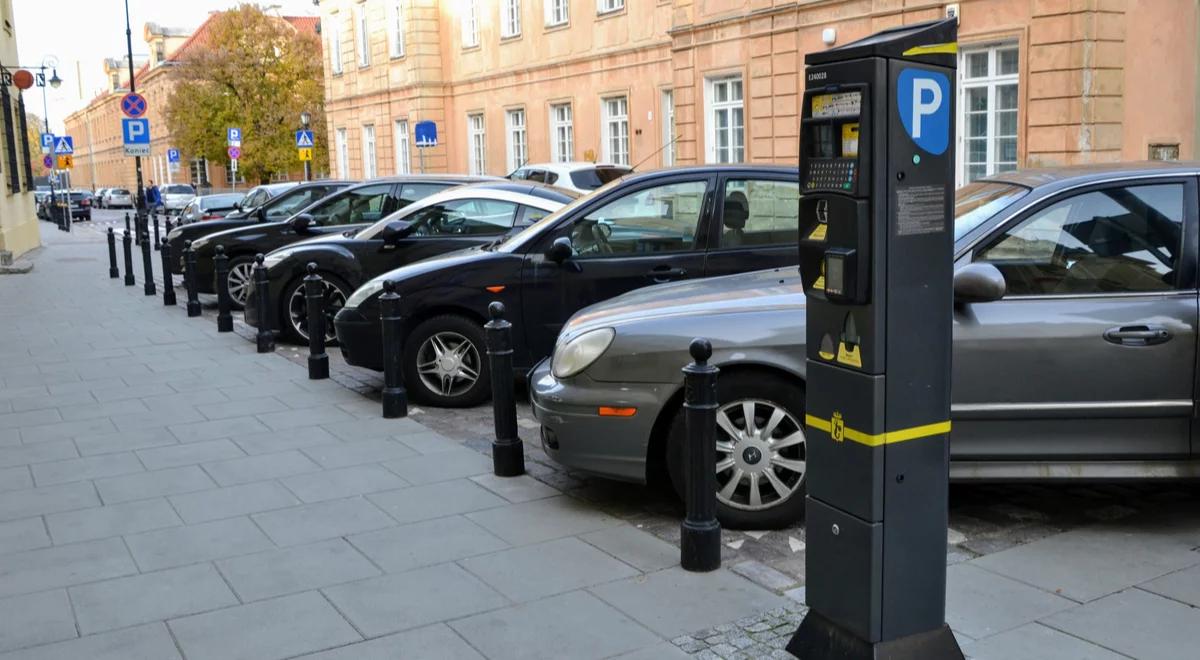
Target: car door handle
x,y
1137,335
666,273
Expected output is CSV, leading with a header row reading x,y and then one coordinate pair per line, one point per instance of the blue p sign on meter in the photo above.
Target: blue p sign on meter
x,y
923,100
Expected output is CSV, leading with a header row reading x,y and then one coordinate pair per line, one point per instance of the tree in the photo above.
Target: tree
x,y
258,73
34,126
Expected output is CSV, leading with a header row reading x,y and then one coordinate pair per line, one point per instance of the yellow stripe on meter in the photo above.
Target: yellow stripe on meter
x,y
934,49
878,439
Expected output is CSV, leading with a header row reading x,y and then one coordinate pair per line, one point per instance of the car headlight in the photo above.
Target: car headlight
x,y
579,353
199,244
273,258
365,291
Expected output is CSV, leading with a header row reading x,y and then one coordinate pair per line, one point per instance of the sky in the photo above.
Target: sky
x,y
81,33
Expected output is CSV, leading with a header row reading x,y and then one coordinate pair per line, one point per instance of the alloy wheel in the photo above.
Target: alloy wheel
x,y
239,280
335,299
761,454
448,363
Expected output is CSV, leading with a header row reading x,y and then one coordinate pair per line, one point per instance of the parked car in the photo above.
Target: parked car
x,y
175,196
112,198
659,226
259,195
583,176
210,207
349,210
450,220
80,202
280,207
1064,278
100,197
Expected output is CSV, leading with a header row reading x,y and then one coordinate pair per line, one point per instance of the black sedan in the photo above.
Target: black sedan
x,y
280,207
345,211
642,229
457,218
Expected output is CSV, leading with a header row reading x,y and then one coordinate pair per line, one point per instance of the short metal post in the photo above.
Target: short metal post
x,y
157,239
221,268
128,259
137,228
113,271
700,538
508,454
147,266
189,279
127,222
167,227
265,338
395,397
168,280
314,299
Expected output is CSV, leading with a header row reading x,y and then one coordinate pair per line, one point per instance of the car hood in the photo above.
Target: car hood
x,y
760,291
432,264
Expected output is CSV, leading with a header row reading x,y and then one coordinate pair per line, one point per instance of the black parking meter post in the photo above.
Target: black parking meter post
x,y
128,259
221,268
189,279
700,535
147,267
113,271
508,454
157,239
168,281
395,397
314,308
265,337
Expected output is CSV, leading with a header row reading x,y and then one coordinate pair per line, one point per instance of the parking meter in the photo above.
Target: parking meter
x,y
876,252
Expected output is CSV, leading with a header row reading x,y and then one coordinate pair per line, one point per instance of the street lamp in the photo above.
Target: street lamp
x,y
55,81
305,118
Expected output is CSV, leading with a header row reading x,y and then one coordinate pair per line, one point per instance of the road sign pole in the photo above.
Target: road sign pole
x,y
137,160
421,157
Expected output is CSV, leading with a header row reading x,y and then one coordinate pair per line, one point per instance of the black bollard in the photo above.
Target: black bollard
x,y
314,307
167,227
508,454
113,271
189,279
221,268
128,259
168,281
147,266
127,222
395,397
157,240
266,338
700,538
137,228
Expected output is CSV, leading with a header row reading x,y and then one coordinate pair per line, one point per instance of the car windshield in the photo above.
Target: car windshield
x,y
593,178
118,191
220,201
976,202
514,241
178,189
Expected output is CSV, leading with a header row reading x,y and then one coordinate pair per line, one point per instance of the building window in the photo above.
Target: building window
x,y
396,28
198,172
368,152
477,143
726,121
232,178
515,120
668,130
343,153
562,133
510,18
335,46
160,52
605,6
364,43
403,155
116,81
557,12
470,23
616,130
988,115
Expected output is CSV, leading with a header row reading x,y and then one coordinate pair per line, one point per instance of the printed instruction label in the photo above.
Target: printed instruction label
x,y
920,210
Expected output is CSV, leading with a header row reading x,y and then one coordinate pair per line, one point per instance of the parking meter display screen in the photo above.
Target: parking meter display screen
x,y
841,104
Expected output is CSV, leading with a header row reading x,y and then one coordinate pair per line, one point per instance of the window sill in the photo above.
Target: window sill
x,y
510,38
471,48
555,27
394,58
609,13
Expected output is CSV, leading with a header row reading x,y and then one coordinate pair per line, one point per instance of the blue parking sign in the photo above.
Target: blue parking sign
x,y
425,133
233,136
172,155
47,142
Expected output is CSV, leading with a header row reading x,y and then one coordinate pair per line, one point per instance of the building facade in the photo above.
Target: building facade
x,y
18,221
652,83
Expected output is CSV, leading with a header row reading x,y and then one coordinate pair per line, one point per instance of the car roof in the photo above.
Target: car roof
x,y
430,178
1053,178
571,166
505,193
553,193
283,185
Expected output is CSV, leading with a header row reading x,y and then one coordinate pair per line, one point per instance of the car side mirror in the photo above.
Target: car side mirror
x,y
396,230
302,222
979,283
560,250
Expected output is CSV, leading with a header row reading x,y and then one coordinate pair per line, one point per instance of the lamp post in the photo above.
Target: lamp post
x,y
137,160
305,118
49,62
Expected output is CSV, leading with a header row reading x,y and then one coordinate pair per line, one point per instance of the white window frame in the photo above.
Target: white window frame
x,y
712,107
562,133
369,152
517,138
614,127
403,147
558,12
470,23
476,144
609,6
343,153
510,19
992,81
362,36
668,128
396,28
335,46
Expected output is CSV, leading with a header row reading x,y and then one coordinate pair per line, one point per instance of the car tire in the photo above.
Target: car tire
x,y
448,385
767,394
337,291
239,267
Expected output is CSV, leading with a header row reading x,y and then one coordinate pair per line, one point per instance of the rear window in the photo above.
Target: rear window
x,y
220,201
591,179
118,191
179,189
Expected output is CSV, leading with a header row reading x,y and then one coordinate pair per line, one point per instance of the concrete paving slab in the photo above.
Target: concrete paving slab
x,y
171,481
278,628
192,453
291,419
15,478
323,520
545,569
542,520
112,520
241,407
344,482
981,603
403,548
639,549
345,454
662,651
19,455
1134,622
86,468
378,427
516,489
436,641
231,502
1183,586
23,534
428,442
148,597
180,546
573,625
435,500
260,468
33,619
382,605
1034,641
442,466
271,442
67,430
148,642
217,428
292,570
106,443
63,566
51,499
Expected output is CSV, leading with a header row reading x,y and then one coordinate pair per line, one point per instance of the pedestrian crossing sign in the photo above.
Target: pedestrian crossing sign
x,y
306,154
63,144
66,162
304,140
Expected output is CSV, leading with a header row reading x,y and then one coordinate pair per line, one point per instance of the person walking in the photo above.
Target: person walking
x,y
153,197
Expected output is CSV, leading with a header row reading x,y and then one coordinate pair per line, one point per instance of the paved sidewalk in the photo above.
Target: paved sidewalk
x,y
169,493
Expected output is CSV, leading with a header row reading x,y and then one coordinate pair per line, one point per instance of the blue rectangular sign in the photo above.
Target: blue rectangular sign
x,y
304,139
233,136
425,133
172,155
47,142
136,131
64,145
